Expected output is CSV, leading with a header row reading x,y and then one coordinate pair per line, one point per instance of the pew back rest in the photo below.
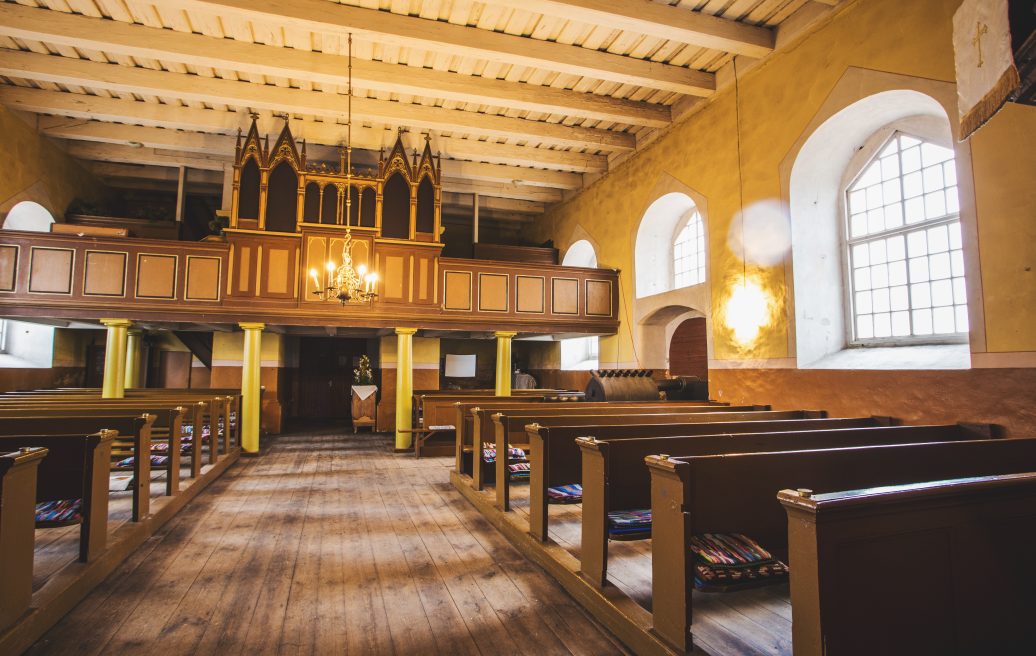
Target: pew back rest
x,y
129,428
66,471
629,481
562,452
738,492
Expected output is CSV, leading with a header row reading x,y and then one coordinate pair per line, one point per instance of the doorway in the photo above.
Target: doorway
x,y
325,377
689,351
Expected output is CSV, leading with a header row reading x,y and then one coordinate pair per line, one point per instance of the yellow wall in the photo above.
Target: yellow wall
x,y
777,100
37,169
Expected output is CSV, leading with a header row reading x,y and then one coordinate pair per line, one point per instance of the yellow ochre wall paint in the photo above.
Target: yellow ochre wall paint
x,y
778,98
37,169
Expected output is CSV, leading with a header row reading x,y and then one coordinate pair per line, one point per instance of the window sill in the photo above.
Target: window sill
x,y
930,356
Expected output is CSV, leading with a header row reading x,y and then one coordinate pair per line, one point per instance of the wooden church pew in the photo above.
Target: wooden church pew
x,y
194,414
438,417
615,478
18,471
133,439
959,549
483,426
736,493
555,458
76,467
510,429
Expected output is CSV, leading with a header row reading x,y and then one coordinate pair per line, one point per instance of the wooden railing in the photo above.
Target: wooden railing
x,y
262,277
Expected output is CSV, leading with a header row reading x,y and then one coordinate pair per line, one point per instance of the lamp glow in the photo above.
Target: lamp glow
x,y
747,310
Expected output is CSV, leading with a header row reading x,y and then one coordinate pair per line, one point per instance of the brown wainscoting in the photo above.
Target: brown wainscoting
x,y
998,396
558,379
423,379
25,379
271,378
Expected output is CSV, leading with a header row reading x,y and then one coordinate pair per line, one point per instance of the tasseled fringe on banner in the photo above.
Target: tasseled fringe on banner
x,y
991,103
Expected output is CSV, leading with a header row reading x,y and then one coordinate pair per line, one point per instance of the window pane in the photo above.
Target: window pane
x,y
952,201
871,176
919,269
898,272
942,321
893,216
960,292
863,302
899,298
912,185
895,248
917,243
961,313
942,292
892,147
957,263
875,220
879,275
915,210
862,278
920,295
861,255
878,252
954,231
891,191
900,324
935,204
864,326
880,300
883,325
932,178
874,196
922,322
858,226
911,159
890,167
939,265
938,239
933,154
949,170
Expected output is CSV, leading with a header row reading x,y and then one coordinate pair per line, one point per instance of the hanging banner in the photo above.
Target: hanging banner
x,y
986,73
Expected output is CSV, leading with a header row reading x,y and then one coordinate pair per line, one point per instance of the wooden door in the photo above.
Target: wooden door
x,y
326,376
94,365
689,350
173,371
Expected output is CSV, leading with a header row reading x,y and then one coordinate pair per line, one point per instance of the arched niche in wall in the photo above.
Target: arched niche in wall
x,y
653,253
311,207
248,193
329,205
395,212
864,108
426,206
282,199
354,210
368,207
29,216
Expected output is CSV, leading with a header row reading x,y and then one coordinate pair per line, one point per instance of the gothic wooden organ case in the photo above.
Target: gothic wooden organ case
x,y
290,218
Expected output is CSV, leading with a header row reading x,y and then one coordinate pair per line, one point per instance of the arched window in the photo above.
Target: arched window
x,y
657,255
580,353
30,216
904,251
689,253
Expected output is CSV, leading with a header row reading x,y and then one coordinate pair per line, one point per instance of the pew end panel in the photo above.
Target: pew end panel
x,y
594,542
18,472
672,563
936,567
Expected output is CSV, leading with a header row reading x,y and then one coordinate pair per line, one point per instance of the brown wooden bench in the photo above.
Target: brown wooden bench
x,y
942,567
483,428
437,418
510,428
736,493
18,472
76,467
168,426
133,440
555,458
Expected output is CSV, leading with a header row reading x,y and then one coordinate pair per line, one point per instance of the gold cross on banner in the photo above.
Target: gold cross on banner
x,y
980,30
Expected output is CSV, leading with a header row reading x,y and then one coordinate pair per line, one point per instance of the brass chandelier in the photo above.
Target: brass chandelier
x,y
345,283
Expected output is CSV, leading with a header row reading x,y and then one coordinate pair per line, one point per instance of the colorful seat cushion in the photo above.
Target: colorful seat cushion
x,y
518,470
160,447
156,461
489,452
59,513
730,561
629,524
565,494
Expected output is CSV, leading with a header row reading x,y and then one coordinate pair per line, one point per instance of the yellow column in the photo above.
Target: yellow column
x,y
115,358
133,357
404,386
251,365
503,362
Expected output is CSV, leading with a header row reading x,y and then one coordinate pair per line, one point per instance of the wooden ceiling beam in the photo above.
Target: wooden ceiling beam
x,y
661,21
83,106
128,79
217,144
440,36
519,191
154,173
489,203
114,37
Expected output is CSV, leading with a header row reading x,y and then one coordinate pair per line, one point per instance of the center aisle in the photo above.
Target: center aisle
x,y
328,544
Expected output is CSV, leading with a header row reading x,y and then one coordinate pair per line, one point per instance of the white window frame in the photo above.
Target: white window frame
x,y
698,258
847,244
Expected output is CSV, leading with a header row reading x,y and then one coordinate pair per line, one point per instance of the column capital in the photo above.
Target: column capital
x,y
136,332
249,325
117,323
504,333
406,331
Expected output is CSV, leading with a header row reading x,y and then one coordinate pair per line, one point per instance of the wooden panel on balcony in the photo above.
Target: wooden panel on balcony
x,y
457,290
529,292
8,267
203,278
492,292
105,273
564,296
156,276
50,270
599,298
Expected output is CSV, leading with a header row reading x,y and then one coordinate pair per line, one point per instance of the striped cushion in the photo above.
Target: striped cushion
x,y
156,461
729,561
489,452
629,523
59,513
519,470
565,494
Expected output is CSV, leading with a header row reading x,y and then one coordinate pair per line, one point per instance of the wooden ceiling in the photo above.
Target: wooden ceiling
x,y
524,98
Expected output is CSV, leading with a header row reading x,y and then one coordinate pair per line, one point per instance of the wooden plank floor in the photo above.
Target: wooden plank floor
x,y
747,622
328,544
